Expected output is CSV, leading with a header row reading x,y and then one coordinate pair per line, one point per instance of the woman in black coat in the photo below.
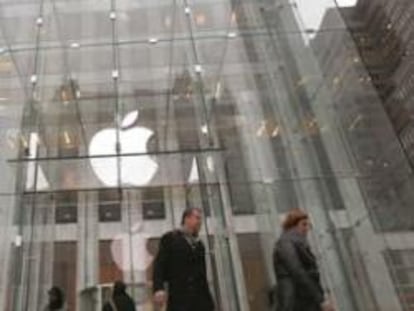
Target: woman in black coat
x,y
298,280
120,301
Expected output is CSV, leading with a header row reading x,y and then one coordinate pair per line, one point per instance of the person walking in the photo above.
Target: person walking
x,y
297,273
180,266
56,301
120,300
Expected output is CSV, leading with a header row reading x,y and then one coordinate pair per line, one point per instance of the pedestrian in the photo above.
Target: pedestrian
x,y
56,301
120,300
298,279
180,266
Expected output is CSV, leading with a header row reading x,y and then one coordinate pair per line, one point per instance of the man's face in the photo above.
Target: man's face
x,y
53,297
194,221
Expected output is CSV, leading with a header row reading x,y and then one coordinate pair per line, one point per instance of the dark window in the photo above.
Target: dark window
x,y
153,203
401,265
109,205
66,207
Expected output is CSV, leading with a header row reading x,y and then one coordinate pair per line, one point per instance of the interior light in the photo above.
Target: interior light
x,y
67,138
262,129
200,19
39,21
276,131
33,79
112,15
198,68
75,45
187,10
18,240
233,17
204,129
115,74
232,35
153,40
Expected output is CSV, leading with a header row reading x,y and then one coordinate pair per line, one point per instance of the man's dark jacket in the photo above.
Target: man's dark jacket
x,y
298,280
182,266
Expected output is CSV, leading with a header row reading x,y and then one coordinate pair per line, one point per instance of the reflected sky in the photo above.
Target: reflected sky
x,y
312,12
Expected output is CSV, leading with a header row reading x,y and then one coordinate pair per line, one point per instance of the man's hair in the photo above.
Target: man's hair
x,y
119,288
188,212
293,218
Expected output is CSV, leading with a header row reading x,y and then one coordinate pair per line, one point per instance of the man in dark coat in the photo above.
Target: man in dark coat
x,y
120,300
298,280
180,266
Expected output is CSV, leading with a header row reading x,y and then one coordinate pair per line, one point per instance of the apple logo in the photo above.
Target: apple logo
x,y
129,250
135,170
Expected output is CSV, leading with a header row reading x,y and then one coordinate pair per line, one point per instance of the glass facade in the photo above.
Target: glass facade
x,y
116,115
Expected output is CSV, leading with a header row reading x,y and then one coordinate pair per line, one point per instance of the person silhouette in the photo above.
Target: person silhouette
x,y
120,300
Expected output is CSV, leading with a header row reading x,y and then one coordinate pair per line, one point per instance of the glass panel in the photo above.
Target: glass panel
x,y
116,116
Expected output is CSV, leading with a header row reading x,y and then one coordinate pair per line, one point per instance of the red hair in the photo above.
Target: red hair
x,y
293,218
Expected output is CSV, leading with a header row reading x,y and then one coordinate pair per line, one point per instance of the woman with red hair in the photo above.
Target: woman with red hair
x,y
298,280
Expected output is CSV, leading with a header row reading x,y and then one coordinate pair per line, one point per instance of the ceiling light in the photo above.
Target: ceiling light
x,y
187,10
232,35
39,21
276,131
262,129
18,240
204,129
33,79
198,68
153,40
112,15
75,45
115,74
67,138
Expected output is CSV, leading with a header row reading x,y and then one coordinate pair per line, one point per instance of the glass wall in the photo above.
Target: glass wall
x,y
116,115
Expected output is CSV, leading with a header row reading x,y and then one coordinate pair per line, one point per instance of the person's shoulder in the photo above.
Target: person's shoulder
x,y
172,234
284,238
107,307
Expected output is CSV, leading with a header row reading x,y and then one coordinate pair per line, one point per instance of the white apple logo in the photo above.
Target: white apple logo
x,y
130,252
135,170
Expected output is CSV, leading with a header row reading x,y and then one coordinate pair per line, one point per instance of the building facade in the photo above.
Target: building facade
x,y
115,116
374,69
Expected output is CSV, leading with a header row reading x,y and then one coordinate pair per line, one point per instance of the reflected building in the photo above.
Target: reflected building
x,y
380,57
121,115
374,68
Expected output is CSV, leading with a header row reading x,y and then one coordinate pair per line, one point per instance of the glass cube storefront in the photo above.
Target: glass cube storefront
x,y
116,115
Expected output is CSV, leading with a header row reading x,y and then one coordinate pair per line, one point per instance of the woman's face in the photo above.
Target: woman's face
x,y
304,226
